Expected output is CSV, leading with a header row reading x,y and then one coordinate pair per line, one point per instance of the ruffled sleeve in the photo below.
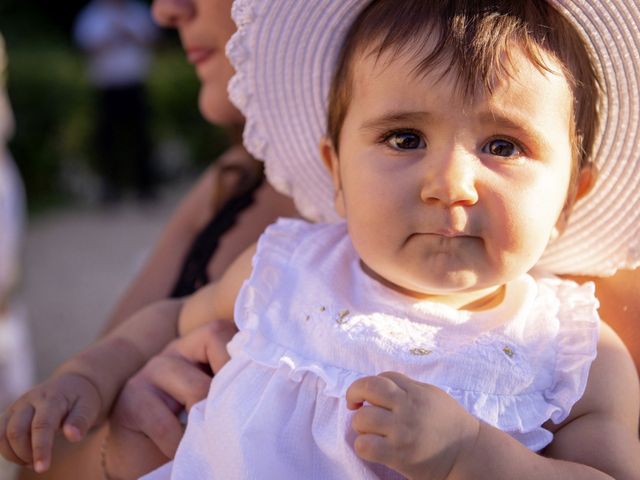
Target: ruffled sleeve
x,y
576,346
276,248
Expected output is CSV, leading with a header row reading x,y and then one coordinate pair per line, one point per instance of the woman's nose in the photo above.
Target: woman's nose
x,y
170,13
450,180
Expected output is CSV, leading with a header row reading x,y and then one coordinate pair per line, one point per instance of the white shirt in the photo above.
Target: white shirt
x,y
117,38
311,322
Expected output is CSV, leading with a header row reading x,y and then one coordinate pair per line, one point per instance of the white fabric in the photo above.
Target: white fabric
x,y
311,322
117,38
17,368
11,196
285,51
11,223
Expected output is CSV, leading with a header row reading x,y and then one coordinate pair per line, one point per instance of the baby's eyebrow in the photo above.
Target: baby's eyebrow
x,y
392,119
509,122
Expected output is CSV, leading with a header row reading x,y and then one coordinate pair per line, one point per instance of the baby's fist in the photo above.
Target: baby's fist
x,y
68,401
412,427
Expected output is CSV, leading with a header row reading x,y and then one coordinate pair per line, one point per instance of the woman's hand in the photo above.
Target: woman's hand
x,y
411,427
144,427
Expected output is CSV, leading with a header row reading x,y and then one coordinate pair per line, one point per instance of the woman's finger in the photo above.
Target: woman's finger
x,y
183,381
207,344
146,412
129,454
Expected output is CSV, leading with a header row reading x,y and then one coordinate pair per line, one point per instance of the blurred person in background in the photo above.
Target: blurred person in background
x,y
16,361
117,37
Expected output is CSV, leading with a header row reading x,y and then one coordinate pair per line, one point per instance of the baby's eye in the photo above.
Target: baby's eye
x,y
501,148
405,141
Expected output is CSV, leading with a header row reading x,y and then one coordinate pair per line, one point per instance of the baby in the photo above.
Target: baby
x,y
459,136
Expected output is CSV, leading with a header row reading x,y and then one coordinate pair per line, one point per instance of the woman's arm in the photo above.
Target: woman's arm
x,y
156,278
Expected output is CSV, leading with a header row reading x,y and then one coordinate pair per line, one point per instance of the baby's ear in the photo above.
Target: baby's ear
x,y
331,161
584,184
586,180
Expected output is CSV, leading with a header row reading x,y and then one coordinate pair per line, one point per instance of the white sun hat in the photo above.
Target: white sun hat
x,y
285,52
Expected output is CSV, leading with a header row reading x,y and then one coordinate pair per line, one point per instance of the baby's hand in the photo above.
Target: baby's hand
x,y
411,427
67,401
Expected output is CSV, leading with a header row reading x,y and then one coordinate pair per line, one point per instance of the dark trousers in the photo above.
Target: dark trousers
x,y
122,140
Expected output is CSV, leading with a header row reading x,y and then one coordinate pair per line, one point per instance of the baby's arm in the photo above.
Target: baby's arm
x,y
216,301
421,432
82,390
602,430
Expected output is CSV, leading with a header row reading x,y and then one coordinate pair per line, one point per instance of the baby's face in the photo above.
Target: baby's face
x,y
449,198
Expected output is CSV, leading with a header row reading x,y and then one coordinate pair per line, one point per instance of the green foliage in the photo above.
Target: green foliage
x,y
54,108
48,95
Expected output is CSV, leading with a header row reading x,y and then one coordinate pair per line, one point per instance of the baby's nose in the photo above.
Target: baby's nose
x,y
450,180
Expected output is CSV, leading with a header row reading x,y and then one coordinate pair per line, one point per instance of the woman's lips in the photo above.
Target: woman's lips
x,y
198,55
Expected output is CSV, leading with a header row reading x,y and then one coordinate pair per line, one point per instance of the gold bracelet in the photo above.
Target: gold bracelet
x,y
103,458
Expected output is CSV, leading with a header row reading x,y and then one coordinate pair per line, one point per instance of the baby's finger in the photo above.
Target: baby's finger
x,y
402,381
82,416
46,421
373,448
371,419
378,390
5,447
19,433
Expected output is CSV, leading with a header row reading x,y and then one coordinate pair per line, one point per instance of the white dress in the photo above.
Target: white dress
x,y
311,322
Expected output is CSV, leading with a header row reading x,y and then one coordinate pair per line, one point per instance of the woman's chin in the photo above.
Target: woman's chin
x,y
216,108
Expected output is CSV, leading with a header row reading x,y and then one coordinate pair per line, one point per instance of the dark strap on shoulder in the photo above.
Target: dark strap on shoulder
x,y
194,268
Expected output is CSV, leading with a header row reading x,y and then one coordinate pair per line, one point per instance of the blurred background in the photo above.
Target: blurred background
x,y
80,252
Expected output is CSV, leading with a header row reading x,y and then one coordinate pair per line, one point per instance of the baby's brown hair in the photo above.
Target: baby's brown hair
x,y
476,38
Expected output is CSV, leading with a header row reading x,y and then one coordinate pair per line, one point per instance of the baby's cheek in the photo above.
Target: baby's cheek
x,y
518,249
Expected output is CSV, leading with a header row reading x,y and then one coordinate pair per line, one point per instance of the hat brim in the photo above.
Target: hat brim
x,y
285,52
